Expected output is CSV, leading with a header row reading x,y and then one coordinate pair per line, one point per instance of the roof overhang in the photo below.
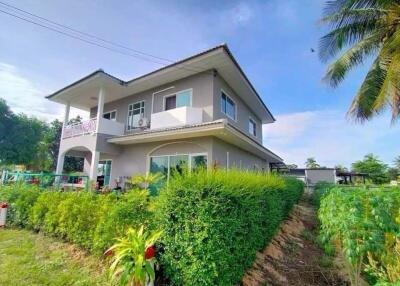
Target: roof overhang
x,y
83,93
220,129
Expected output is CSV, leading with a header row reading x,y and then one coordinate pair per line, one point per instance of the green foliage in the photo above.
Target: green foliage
x,y
311,163
130,264
365,29
215,222
376,170
320,190
132,209
89,220
364,225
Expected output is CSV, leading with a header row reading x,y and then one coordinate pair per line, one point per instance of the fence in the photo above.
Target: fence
x,y
45,180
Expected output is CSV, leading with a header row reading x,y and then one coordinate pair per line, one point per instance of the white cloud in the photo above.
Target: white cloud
x,y
241,13
329,137
24,96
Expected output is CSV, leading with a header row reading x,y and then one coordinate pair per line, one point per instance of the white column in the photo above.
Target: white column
x,y
66,115
60,163
100,107
93,165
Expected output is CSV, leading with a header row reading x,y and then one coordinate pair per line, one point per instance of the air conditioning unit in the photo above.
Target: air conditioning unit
x,y
143,122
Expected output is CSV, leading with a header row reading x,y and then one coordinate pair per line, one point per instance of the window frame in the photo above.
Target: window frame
x,y
190,155
251,120
128,127
234,102
111,111
176,95
111,166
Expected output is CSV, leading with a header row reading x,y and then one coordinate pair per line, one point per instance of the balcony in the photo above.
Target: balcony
x,y
106,126
180,116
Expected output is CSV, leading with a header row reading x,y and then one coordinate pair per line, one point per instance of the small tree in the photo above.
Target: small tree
x,y
311,163
371,165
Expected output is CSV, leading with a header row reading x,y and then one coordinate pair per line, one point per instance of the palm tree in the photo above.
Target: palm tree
x,y
365,28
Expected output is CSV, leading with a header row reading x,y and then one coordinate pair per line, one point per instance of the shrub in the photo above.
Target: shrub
x,y
20,198
132,209
87,219
214,223
320,190
364,225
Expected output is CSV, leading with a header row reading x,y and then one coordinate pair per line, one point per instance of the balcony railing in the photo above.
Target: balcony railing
x,y
78,129
176,117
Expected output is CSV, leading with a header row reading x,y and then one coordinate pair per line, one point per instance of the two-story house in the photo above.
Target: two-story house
x,y
200,111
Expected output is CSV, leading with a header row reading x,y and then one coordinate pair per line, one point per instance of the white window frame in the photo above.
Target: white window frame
x,y
230,97
255,126
128,127
175,94
190,155
111,111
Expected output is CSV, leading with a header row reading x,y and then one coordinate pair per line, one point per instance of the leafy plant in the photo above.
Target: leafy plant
x,y
364,227
214,222
145,181
133,257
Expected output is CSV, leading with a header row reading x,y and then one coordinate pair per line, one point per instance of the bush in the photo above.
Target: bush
x,y
214,223
364,225
86,219
320,190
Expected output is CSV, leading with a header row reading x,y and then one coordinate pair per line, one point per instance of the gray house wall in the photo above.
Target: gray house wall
x,y
243,112
238,158
202,97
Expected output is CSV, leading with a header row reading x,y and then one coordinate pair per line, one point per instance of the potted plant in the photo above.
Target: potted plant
x,y
133,258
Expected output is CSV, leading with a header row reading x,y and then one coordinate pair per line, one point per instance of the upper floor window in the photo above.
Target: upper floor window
x,y
181,98
135,112
252,127
228,106
111,115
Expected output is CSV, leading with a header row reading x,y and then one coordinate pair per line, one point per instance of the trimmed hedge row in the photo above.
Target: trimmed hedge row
x,y
89,220
214,223
320,190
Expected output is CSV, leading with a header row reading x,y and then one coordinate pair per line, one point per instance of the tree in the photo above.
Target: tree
x,y
311,163
19,136
396,163
341,168
365,29
371,165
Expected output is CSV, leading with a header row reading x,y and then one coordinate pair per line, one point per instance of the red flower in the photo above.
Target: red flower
x,y
109,253
3,205
150,252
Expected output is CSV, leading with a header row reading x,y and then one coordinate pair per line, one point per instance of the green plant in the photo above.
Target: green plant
x,y
320,190
144,181
362,224
133,257
214,222
366,29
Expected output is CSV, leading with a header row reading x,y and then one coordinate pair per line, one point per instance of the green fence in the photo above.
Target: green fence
x,y
45,180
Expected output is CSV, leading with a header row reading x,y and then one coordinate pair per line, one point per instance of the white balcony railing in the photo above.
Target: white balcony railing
x,y
181,116
78,129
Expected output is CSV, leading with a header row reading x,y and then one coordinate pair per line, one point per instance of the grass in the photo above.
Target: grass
x,y
32,259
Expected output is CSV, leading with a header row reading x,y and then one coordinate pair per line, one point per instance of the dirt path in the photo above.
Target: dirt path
x,y
293,256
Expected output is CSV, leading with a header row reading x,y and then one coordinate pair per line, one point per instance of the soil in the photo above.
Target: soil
x,y
293,258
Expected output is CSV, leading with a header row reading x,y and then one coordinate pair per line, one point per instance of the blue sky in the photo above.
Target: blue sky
x,y
270,39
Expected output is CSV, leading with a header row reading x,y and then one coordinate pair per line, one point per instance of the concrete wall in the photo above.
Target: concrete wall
x,y
243,112
238,158
320,175
202,96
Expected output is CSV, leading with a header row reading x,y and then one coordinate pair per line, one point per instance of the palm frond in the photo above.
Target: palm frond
x,y
332,43
363,105
351,58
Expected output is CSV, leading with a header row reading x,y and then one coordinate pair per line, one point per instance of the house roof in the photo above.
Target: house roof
x,y
221,129
83,93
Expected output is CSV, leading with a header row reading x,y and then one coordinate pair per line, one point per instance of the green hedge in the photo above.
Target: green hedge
x,y
214,223
86,219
